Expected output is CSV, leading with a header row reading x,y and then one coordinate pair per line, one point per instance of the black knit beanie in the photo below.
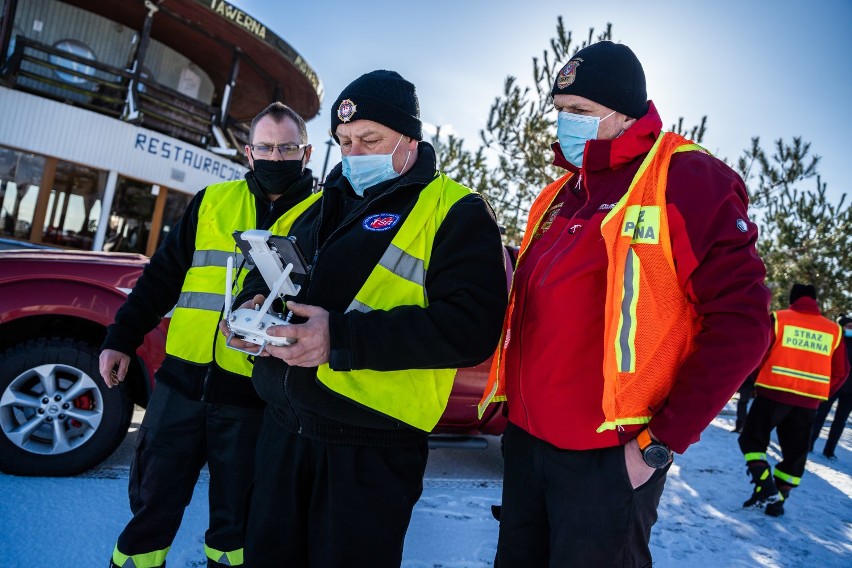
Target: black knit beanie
x,y
801,290
843,320
383,97
607,73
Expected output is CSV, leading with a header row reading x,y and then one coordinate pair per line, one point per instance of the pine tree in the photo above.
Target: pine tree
x,y
803,237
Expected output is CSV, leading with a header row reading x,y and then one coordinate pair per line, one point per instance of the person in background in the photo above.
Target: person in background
x,y
806,363
746,393
843,396
204,408
637,310
407,283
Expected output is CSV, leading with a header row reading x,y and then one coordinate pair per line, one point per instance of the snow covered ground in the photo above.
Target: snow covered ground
x,y
73,522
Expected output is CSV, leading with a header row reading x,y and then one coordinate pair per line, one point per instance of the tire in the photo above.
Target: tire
x,y
57,416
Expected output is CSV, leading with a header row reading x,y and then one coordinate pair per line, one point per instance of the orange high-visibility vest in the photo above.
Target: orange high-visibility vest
x,y
650,325
800,358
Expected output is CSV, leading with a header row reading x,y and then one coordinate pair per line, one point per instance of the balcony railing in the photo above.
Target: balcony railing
x,y
45,71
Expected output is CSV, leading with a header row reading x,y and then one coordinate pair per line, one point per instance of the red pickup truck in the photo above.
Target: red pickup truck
x,y
56,415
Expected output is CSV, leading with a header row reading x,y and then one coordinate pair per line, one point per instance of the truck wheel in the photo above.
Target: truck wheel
x,y
57,417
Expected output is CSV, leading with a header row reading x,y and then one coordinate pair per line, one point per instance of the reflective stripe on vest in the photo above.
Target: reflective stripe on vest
x,y
193,329
416,397
649,327
799,361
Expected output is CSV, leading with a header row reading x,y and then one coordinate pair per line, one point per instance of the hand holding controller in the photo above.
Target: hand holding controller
x,y
243,325
252,325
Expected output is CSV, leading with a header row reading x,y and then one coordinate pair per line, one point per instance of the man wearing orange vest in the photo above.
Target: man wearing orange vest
x,y
806,364
637,310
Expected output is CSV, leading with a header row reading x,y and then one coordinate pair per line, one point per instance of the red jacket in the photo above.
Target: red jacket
x,y
839,364
554,375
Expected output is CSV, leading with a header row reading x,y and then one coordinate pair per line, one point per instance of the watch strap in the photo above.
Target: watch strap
x,y
644,439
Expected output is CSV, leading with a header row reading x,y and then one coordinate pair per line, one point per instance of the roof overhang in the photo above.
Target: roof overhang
x,y
210,33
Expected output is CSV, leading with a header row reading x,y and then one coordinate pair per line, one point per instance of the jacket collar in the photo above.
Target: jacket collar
x,y
806,305
610,154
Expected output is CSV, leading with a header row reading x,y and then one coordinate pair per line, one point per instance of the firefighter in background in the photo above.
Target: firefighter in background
x,y
843,397
805,364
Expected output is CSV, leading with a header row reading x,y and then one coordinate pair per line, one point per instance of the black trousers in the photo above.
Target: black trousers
x,y
175,440
573,508
841,413
793,425
746,392
323,505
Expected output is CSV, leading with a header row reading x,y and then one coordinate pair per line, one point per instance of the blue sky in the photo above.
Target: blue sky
x,y
755,68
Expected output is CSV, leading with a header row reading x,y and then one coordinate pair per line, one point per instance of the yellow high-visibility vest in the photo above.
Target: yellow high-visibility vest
x,y
193,331
416,397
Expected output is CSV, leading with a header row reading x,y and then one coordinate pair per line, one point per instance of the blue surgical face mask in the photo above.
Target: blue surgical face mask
x,y
573,131
365,171
847,332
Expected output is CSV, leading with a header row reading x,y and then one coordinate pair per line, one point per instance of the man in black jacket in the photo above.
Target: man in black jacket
x,y
406,284
204,408
843,396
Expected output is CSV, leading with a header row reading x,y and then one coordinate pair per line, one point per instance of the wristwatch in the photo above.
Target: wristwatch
x,y
655,454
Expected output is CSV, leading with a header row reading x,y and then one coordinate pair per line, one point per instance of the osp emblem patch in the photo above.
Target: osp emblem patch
x,y
741,225
346,110
568,73
380,221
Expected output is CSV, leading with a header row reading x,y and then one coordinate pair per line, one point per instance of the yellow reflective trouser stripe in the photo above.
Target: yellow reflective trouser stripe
x,y
214,258
225,558
800,374
755,456
153,559
625,345
201,301
791,479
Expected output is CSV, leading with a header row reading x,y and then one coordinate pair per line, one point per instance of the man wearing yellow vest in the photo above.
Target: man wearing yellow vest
x,y
637,309
406,284
204,408
805,365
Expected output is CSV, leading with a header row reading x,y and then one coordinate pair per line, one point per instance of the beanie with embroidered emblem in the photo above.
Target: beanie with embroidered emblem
x,y
607,73
381,96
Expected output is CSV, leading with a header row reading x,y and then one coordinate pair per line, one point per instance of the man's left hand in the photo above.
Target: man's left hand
x,y
313,343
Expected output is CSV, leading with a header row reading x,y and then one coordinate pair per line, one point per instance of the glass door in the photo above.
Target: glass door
x,y
131,216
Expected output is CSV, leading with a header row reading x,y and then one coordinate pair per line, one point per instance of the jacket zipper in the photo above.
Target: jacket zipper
x,y
526,293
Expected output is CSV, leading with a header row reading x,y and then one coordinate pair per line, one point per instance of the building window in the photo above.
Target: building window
x,y
130,218
176,204
16,31
74,206
20,178
75,67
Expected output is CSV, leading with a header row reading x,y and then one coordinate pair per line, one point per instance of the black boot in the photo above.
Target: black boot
x,y
776,509
765,491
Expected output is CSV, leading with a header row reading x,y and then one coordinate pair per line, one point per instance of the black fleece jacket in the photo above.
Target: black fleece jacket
x,y
157,291
465,284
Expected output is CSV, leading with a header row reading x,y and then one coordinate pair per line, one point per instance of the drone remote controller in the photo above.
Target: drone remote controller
x,y
252,325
